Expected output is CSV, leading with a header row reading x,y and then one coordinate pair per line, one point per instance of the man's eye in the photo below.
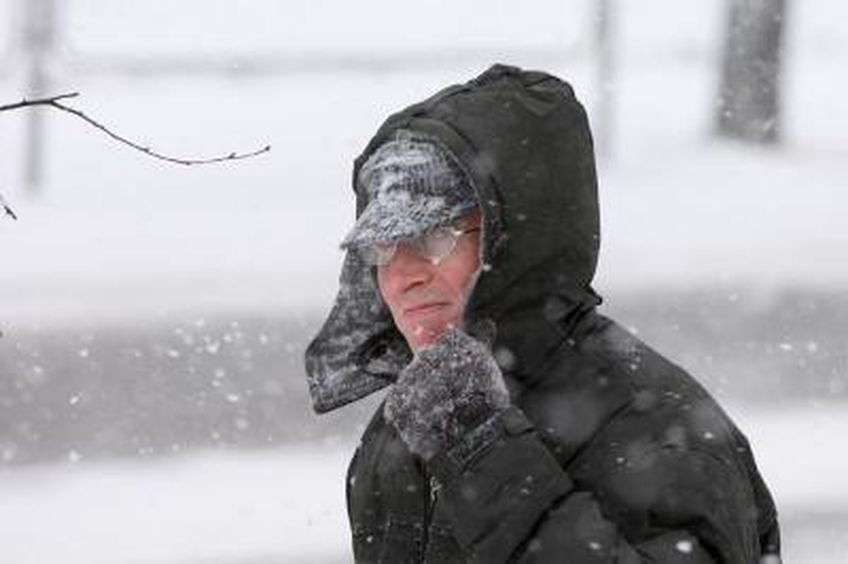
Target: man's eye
x,y
440,234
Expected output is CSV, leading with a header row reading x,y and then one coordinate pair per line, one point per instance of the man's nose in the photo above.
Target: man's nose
x,y
409,268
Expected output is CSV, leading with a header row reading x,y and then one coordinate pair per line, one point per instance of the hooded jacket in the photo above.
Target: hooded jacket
x,y
610,453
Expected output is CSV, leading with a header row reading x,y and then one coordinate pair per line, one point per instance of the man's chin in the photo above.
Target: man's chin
x,y
422,336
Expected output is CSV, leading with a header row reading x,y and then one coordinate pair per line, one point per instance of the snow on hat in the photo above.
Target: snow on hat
x,y
413,185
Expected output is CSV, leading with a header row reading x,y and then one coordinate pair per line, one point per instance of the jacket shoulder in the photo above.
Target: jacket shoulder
x,y
609,376
646,438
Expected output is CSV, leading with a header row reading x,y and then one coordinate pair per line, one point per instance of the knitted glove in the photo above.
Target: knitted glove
x,y
449,388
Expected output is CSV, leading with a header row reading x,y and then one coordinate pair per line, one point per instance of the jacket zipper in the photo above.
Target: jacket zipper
x,y
432,493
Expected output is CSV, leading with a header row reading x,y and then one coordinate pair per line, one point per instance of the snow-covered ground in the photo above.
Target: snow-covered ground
x,y
287,505
276,506
116,235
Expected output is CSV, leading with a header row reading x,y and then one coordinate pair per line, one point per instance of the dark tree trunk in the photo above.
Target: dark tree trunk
x,y
38,40
604,122
749,98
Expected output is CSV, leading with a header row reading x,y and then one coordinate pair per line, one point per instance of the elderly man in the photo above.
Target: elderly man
x,y
519,424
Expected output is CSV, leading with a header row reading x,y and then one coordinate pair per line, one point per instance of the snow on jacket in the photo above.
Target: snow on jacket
x,y
609,453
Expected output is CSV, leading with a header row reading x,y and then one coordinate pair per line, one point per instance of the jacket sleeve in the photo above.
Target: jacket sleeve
x,y
509,500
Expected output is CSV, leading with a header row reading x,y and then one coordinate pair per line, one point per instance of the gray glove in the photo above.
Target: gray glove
x,y
449,388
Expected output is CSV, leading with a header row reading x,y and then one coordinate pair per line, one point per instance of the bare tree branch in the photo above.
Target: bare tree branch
x,y
36,102
56,102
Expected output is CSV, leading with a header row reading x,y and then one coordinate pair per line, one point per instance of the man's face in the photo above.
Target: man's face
x,y
426,298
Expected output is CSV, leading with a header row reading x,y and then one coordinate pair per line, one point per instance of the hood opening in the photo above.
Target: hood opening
x,y
523,140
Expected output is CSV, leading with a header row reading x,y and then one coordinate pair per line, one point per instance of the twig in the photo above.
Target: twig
x,y
54,102
6,209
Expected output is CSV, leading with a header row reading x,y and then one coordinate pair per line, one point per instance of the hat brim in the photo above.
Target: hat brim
x,y
386,220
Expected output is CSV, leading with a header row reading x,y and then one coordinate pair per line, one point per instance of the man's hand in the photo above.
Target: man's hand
x,y
449,388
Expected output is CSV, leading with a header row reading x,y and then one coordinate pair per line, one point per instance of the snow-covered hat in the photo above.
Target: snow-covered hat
x,y
413,185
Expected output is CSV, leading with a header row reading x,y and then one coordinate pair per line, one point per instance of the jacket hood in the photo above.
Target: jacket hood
x,y
523,139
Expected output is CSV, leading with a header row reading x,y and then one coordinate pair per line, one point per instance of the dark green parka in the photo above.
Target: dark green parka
x,y
610,452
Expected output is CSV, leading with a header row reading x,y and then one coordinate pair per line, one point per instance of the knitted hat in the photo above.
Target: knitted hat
x,y
412,185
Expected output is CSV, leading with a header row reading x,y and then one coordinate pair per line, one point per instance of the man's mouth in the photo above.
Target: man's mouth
x,y
424,308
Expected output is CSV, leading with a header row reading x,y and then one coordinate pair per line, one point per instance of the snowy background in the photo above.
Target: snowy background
x,y
152,403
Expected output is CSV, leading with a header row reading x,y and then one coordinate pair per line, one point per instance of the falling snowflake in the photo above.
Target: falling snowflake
x,y
684,546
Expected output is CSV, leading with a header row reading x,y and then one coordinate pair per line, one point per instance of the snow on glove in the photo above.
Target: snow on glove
x,y
449,388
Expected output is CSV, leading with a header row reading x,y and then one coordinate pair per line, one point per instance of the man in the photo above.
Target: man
x,y
519,425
